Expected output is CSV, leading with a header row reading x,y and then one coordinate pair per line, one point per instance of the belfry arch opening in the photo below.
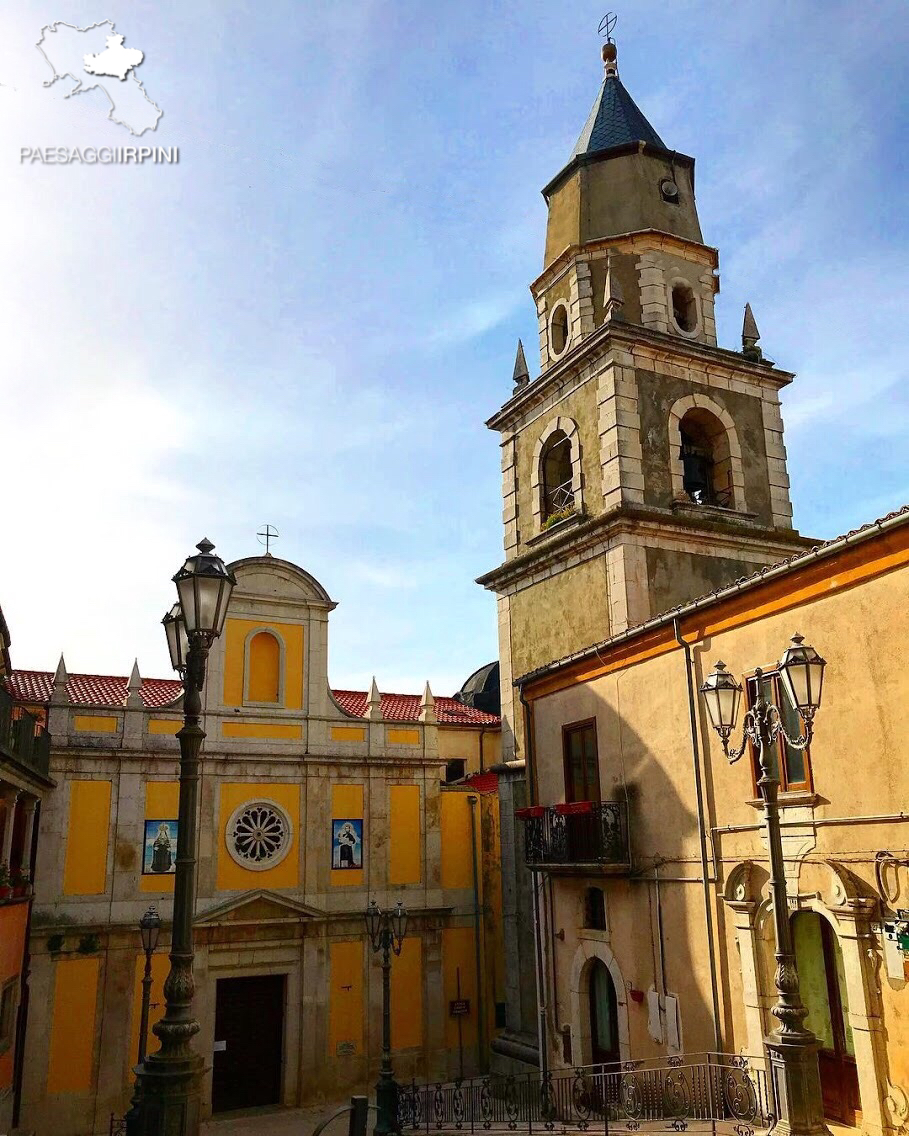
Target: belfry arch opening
x,y
705,455
556,476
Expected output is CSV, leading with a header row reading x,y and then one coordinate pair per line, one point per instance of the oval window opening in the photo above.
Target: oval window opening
x,y
684,309
559,329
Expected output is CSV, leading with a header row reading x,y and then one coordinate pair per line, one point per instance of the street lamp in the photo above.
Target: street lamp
x,y
791,1048
166,1100
387,930
149,930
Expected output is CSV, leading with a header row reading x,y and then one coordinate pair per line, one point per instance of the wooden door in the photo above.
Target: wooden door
x,y
604,1020
249,1037
820,965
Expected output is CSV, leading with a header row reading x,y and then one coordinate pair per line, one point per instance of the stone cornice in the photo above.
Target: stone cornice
x,y
642,240
638,340
639,521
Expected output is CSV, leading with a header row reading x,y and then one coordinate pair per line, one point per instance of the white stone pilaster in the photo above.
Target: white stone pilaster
x,y
619,426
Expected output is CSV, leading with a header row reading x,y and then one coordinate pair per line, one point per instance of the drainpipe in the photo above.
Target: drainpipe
x,y
537,878
481,1001
702,835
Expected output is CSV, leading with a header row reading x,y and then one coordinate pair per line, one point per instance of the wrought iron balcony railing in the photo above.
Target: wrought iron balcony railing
x,y
22,737
718,1092
581,832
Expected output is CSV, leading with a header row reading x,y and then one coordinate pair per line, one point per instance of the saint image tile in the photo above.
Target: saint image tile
x,y
346,844
159,852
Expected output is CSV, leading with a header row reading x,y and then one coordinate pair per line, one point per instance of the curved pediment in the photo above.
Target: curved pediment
x,y
271,578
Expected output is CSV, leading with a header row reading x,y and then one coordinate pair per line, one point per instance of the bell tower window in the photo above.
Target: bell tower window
x,y
684,308
705,459
558,491
558,329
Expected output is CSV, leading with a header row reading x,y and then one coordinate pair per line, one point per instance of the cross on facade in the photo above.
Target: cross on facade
x,y
266,535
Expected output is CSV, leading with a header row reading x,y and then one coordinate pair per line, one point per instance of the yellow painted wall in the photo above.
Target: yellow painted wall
x,y
161,803
345,1007
234,649
264,678
465,743
72,1034
95,724
277,730
404,834
88,835
347,804
160,968
457,865
458,954
231,876
163,725
403,737
407,996
348,734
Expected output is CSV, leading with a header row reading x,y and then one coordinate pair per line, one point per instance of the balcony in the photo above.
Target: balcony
x,y
22,737
577,836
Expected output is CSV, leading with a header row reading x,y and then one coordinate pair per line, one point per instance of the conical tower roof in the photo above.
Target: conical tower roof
x,y
615,120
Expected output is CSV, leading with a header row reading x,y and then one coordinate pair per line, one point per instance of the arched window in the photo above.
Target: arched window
x,y
263,676
604,1016
556,476
706,467
595,909
684,307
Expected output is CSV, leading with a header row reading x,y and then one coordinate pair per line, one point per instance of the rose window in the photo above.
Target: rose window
x,y
259,835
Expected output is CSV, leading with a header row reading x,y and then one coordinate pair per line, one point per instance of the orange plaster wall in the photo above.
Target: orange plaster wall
x,y
13,918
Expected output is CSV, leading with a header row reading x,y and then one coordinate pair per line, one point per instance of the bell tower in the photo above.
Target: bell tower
x,y
644,465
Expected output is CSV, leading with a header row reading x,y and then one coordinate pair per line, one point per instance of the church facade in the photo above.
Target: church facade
x,y
313,803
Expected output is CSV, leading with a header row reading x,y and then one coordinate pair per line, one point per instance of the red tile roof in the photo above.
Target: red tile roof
x,y
92,690
484,782
406,708
109,690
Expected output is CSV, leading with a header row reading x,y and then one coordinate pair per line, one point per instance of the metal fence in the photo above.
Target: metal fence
x,y
716,1090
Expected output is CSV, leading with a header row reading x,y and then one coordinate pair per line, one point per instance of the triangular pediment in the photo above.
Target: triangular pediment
x,y
260,906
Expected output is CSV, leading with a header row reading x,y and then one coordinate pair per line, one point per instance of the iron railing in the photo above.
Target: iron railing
x,y
558,498
22,737
582,832
712,1089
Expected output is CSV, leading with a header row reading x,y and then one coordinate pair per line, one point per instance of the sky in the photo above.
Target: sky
x,y
308,320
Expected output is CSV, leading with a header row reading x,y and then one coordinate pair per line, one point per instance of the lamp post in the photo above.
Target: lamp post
x,y
792,1050
167,1095
149,930
387,930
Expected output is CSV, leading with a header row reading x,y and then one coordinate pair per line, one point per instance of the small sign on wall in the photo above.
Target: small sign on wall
x,y
458,1007
346,1049
159,853
346,844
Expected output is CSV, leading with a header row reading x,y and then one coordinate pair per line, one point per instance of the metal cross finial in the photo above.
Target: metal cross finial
x,y
607,25
266,535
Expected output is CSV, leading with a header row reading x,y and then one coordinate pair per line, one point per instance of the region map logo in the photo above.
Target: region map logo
x,y
95,58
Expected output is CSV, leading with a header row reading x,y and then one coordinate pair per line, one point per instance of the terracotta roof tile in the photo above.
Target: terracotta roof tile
x,y
110,690
92,690
406,708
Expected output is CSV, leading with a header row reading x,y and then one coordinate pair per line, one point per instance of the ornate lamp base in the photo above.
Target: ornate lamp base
x,y
168,1098
796,1082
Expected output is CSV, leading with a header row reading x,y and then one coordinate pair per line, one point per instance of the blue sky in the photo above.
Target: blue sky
x,y
308,320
